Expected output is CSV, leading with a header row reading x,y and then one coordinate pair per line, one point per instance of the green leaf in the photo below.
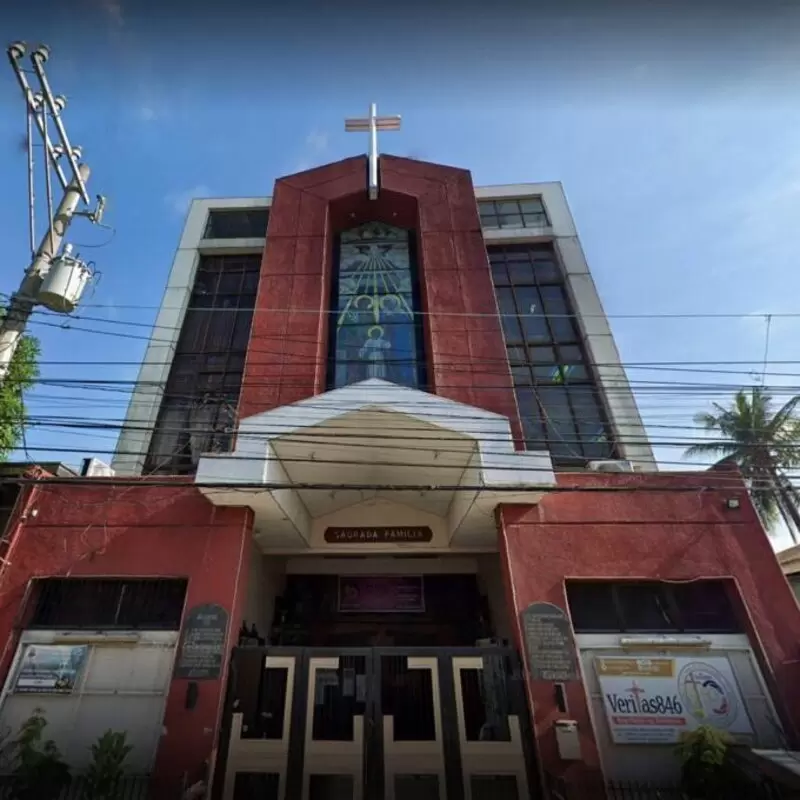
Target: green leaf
x,y
22,375
763,443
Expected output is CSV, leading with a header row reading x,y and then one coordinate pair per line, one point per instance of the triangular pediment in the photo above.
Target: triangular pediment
x,y
374,439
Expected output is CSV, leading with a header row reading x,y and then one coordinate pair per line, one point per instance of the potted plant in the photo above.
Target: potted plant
x,y
104,777
39,772
704,769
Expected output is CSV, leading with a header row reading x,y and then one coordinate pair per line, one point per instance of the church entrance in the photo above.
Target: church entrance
x,y
367,723
369,610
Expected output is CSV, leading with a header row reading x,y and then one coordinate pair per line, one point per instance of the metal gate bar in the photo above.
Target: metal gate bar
x,y
367,713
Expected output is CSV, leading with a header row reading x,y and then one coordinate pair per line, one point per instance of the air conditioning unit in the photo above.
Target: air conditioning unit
x,y
95,468
611,466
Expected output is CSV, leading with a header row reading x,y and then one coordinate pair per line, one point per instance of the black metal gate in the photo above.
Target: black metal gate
x,y
374,723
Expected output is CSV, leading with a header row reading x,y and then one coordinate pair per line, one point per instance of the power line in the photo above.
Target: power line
x,y
277,428
621,383
415,409
750,368
341,462
501,361
334,434
477,360
277,339
297,310
124,400
178,482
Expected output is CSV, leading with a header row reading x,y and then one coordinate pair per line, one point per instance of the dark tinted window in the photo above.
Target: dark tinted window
x,y
99,603
651,607
237,223
592,607
645,607
704,606
519,213
198,411
555,387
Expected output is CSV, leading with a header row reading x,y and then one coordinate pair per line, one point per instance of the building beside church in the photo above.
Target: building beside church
x,y
383,488
789,560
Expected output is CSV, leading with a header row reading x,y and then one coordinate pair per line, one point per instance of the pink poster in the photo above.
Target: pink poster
x,y
381,593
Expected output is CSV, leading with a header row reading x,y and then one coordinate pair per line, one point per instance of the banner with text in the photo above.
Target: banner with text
x,y
655,700
50,669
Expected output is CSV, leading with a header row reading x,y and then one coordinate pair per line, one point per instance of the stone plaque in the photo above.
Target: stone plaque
x,y
549,643
381,535
202,647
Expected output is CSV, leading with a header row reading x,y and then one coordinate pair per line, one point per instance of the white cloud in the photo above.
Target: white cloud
x,y
317,142
146,113
112,9
315,149
179,201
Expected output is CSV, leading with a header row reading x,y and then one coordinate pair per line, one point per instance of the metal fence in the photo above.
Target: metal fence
x,y
558,789
636,790
744,786
751,788
132,787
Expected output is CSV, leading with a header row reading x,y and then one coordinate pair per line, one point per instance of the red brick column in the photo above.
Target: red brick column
x,y
529,579
190,735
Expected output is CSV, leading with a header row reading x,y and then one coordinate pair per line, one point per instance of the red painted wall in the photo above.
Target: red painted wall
x,y
669,526
288,344
142,531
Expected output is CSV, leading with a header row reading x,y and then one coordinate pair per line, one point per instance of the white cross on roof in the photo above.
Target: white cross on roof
x,y
372,124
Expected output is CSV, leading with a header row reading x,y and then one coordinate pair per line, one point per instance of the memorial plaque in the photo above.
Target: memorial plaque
x,y
549,643
202,645
379,535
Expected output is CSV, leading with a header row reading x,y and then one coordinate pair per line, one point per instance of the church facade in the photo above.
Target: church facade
x,y
385,521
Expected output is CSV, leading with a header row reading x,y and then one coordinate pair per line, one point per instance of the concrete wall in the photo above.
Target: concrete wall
x,y
671,527
265,582
490,579
122,686
142,531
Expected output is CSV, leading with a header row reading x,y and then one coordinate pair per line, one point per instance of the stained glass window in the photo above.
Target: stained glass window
x,y
376,330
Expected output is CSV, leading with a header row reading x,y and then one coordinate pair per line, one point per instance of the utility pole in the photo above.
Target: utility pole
x,y
55,280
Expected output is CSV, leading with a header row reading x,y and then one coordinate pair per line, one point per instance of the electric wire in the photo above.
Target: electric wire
x,y
664,387
332,463
122,481
679,315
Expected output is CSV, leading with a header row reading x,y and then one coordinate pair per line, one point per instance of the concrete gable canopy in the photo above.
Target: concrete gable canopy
x,y
376,437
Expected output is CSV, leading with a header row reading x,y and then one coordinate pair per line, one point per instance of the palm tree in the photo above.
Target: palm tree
x,y
764,444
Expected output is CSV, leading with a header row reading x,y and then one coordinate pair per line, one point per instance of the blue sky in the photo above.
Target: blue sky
x,y
676,134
